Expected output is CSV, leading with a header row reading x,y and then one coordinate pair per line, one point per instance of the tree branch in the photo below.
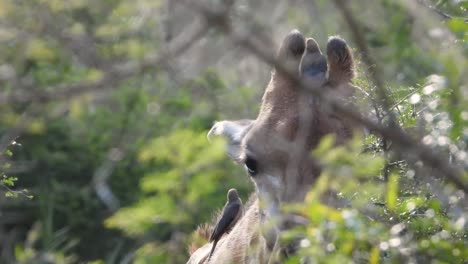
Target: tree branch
x,y
407,145
113,76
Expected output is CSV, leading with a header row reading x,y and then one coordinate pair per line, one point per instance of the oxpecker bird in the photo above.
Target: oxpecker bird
x,y
232,212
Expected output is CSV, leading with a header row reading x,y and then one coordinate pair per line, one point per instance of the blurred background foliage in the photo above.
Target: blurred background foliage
x,y
124,173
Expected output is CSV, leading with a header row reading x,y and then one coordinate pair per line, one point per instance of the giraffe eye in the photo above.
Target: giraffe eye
x,y
251,166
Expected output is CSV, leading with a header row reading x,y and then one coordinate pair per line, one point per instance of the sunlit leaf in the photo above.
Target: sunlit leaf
x,y
38,49
392,191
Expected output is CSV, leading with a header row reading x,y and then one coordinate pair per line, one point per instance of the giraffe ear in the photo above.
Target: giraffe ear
x,y
233,132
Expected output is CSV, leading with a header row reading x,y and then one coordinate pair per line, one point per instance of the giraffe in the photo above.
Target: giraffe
x,y
275,147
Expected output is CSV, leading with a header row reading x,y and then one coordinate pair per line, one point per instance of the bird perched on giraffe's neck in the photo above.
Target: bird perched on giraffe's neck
x,y
232,212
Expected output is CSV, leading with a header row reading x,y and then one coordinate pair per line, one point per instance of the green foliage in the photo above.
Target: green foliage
x,y
8,182
57,253
191,177
397,213
144,138
390,215
383,222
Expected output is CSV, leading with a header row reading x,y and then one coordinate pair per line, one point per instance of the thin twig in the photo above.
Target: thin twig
x,y
405,98
434,9
372,66
111,77
14,192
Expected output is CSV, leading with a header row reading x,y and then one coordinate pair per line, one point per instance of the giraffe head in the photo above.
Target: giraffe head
x,y
275,148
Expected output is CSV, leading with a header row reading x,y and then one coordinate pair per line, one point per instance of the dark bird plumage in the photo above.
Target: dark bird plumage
x,y
232,212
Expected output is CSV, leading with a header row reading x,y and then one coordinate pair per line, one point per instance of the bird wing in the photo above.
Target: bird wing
x,y
229,215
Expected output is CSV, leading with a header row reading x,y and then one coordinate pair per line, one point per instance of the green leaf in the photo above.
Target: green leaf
x,y
40,50
392,191
8,152
326,143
